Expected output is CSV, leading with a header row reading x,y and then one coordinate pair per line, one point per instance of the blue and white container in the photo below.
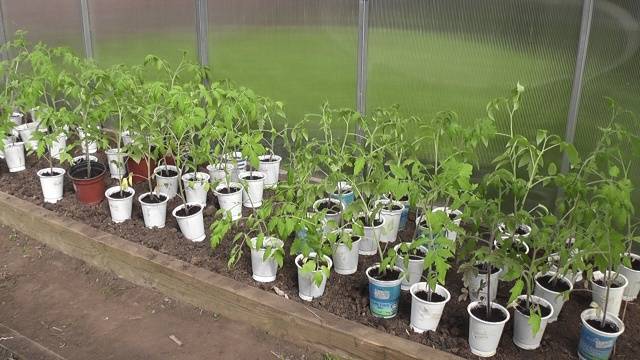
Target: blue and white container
x,y
384,295
595,344
344,193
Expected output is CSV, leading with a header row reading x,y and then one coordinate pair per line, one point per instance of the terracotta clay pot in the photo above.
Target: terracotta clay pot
x,y
140,170
89,190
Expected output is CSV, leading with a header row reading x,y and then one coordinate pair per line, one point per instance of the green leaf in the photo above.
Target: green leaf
x,y
358,166
516,290
552,170
614,171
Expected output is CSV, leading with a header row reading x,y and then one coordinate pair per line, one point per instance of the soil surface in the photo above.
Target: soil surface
x,y
346,296
549,283
435,298
608,326
496,315
80,312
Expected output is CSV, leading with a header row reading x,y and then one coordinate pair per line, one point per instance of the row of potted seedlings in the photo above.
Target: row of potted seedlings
x,y
166,132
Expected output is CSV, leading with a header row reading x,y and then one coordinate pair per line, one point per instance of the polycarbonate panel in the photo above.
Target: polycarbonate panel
x,y
302,52
125,31
59,25
433,55
613,67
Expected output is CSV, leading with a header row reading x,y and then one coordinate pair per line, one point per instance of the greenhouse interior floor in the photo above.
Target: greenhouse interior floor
x,y
64,306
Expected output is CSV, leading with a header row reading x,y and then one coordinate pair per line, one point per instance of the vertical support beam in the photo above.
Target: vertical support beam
x,y
3,33
576,91
363,39
86,29
202,31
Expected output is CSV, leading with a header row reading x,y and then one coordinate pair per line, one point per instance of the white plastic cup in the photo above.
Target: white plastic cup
x,y
120,208
154,214
253,191
191,226
425,315
523,335
345,260
556,299
484,336
270,166
195,187
369,242
414,270
52,185
599,293
116,161
633,276
391,221
14,156
264,270
231,202
307,289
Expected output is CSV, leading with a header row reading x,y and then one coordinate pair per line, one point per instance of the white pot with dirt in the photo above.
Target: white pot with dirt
x,y
116,160
455,216
345,259
196,186
14,156
391,212
254,188
235,163
307,288
154,209
264,270
415,266
217,173
523,335
167,180
371,238
87,146
633,276
52,183
270,166
230,199
333,212
552,287
26,134
120,203
16,117
575,276
58,146
191,221
427,307
477,284
599,291
485,333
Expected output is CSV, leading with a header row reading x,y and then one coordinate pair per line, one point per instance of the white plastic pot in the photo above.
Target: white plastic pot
x,y
523,335
120,208
192,225
594,343
503,230
332,220
232,202
345,260
167,185
216,172
413,273
235,164
154,214
26,134
270,166
633,276
195,187
116,161
58,146
87,146
425,315
391,221
307,288
264,270
16,117
478,286
52,185
615,294
573,276
484,336
252,192
371,238
556,299
14,156
451,235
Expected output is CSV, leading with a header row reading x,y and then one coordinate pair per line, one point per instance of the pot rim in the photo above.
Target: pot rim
x,y
96,178
313,255
539,300
422,247
494,305
600,273
329,199
177,208
379,218
252,173
142,203
635,257
394,202
560,276
189,177
274,156
386,282
272,239
230,184
51,176
114,189
114,151
503,230
414,288
166,167
591,314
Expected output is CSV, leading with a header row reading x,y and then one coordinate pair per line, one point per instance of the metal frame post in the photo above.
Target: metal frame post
x,y
202,31
576,91
361,72
86,29
3,33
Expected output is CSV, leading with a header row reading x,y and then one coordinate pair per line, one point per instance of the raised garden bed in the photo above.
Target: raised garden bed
x,y
345,296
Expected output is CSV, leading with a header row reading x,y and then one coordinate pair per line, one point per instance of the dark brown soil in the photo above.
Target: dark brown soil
x,y
188,210
252,177
167,173
435,298
522,308
609,327
453,216
376,222
635,264
601,282
120,194
153,199
482,269
549,283
330,206
50,173
228,190
521,230
389,275
81,172
268,160
481,313
394,207
345,296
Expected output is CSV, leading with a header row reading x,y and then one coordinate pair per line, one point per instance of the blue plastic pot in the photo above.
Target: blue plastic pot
x,y
384,295
595,344
344,193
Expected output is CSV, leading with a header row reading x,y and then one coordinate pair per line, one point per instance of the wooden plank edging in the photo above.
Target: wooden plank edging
x,y
208,290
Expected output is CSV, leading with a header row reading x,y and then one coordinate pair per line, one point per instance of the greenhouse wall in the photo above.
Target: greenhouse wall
x,y
425,55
